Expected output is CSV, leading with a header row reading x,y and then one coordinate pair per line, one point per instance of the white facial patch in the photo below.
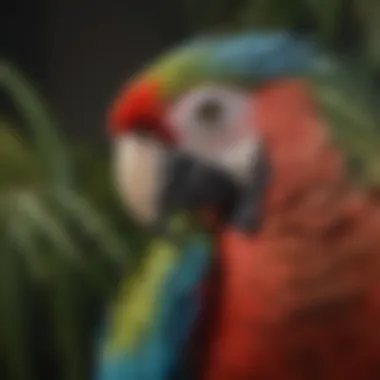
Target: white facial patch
x,y
240,158
226,137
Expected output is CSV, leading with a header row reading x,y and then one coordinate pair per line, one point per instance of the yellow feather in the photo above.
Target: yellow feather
x,y
135,307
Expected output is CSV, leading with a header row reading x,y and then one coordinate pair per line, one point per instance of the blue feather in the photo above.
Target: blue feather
x,y
159,355
262,55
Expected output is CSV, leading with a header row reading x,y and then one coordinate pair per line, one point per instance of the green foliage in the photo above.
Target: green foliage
x,y
368,12
352,121
58,253
18,163
40,124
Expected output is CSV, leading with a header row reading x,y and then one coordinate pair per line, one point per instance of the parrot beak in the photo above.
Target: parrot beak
x,y
192,186
156,181
137,165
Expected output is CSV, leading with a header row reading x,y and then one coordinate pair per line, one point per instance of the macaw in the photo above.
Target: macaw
x,y
265,258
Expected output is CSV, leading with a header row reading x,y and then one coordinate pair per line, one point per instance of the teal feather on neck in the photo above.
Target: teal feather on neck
x,y
152,316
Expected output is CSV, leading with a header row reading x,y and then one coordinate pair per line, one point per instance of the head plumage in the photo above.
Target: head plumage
x,y
245,58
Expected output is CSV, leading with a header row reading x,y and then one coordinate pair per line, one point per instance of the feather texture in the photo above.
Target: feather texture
x,y
153,316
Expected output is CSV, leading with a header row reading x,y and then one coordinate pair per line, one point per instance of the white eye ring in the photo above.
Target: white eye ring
x,y
232,143
185,118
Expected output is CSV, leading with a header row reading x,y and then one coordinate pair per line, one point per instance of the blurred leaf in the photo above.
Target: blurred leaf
x,y
343,98
14,312
32,108
92,173
66,300
67,247
90,221
369,14
60,221
327,15
272,13
18,163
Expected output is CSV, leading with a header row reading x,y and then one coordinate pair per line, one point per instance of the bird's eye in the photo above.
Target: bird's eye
x,y
216,124
210,113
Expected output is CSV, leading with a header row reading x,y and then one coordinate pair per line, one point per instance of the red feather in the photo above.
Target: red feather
x,y
300,300
139,107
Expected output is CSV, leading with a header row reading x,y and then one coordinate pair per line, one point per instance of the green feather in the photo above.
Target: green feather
x,y
135,307
179,71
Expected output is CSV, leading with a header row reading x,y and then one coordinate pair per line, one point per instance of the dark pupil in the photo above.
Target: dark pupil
x,y
210,113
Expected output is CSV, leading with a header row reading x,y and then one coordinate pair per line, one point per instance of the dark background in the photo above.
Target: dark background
x,y
78,52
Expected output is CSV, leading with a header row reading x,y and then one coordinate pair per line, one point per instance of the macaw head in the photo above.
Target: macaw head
x,y
201,130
